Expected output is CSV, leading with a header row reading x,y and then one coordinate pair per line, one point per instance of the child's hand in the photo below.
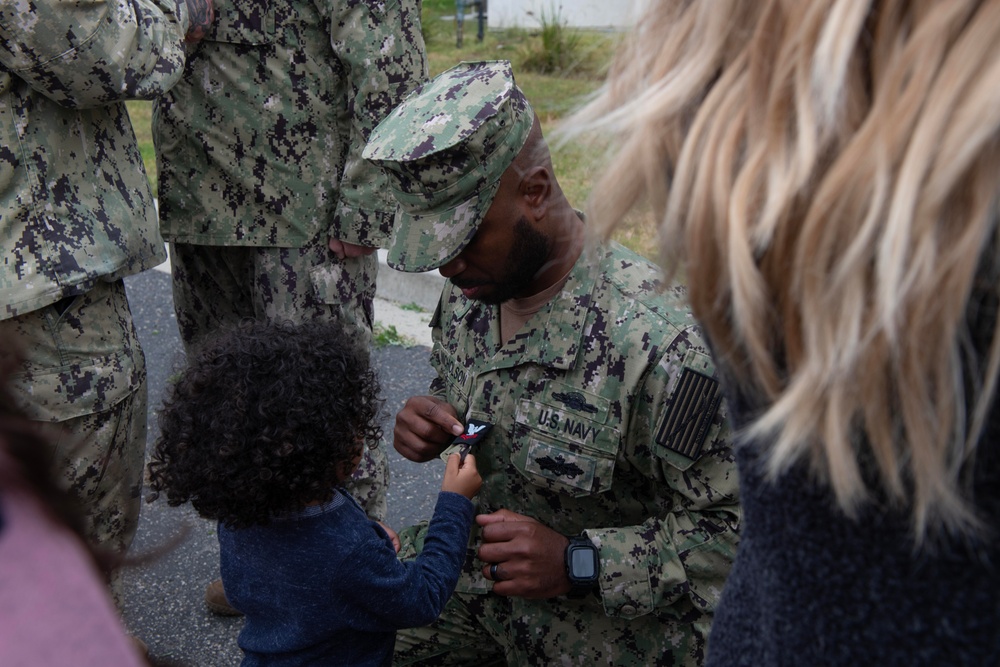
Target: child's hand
x,y
392,535
462,477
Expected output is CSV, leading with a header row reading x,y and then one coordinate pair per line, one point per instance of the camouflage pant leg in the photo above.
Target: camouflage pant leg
x,y
217,286
370,482
464,634
84,374
578,633
479,629
210,289
117,489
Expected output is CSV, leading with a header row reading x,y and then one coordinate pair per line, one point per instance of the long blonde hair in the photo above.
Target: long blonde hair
x,y
827,172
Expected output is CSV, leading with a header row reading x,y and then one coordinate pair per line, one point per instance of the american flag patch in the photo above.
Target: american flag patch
x,y
684,426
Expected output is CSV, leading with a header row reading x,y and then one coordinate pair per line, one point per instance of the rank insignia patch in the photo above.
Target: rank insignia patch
x,y
475,431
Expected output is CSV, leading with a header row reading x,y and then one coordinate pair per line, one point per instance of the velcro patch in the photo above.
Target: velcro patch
x,y
686,423
570,472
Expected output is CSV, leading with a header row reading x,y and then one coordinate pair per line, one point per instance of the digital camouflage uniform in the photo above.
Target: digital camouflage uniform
x,y
258,151
76,215
608,419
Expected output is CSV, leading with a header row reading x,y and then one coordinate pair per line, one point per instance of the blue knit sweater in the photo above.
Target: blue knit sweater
x,y
324,587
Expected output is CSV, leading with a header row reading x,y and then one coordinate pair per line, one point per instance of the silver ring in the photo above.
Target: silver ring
x,y
493,571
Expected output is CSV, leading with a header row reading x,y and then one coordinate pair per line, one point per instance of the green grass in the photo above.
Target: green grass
x,y
141,114
552,94
384,336
413,307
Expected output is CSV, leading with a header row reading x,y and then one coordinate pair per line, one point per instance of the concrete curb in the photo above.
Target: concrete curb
x,y
395,294
423,289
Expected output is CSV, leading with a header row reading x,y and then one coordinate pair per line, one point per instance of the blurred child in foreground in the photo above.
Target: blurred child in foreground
x,y
55,606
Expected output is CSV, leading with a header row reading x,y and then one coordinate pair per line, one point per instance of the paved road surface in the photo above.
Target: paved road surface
x,y
164,598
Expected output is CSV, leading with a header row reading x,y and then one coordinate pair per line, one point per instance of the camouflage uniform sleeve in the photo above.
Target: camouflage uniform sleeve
x,y
683,555
87,54
381,49
439,387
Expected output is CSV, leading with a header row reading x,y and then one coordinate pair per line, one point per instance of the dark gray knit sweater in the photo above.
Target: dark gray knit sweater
x,y
811,587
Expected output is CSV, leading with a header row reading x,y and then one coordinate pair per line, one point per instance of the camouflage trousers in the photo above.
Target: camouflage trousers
x,y
84,376
218,286
480,629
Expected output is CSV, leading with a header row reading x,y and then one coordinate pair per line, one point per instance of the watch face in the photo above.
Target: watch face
x,y
583,563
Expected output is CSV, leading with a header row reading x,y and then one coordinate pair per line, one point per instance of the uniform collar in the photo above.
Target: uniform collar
x,y
556,333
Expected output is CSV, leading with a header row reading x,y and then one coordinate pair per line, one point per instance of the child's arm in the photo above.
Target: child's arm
x,y
389,594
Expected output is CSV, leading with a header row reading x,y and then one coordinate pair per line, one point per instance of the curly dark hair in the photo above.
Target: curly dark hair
x,y
264,420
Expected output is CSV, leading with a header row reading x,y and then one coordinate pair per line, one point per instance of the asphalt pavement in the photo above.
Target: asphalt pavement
x,y
164,605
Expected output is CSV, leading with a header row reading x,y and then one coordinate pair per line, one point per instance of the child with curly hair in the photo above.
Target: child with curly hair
x,y
262,427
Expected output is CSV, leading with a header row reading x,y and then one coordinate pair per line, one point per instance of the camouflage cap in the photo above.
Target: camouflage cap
x,y
444,150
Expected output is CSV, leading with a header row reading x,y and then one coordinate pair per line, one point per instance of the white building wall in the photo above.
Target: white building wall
x,y
616,14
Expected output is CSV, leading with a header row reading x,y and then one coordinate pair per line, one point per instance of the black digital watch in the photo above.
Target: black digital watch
x,y
583,564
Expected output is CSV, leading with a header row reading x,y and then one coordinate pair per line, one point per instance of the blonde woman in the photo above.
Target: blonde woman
x,y
826,174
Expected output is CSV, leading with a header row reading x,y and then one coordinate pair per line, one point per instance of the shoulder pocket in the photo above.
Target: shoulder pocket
x,y
242,22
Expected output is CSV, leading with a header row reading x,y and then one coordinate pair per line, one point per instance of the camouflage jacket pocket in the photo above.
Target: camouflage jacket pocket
x,y
566,449
98,387
242,22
